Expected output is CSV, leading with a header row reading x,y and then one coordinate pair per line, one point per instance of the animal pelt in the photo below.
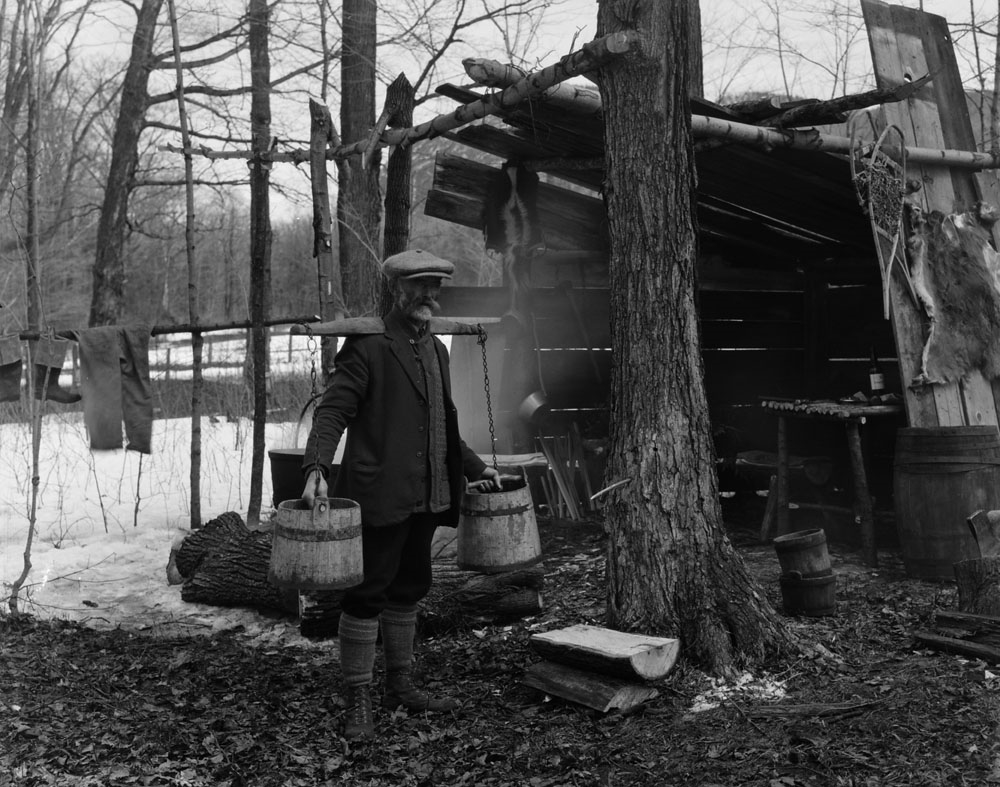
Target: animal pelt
x,y
956,274
510,212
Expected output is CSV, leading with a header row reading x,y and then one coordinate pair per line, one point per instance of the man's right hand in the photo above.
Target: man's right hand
x,y
315,487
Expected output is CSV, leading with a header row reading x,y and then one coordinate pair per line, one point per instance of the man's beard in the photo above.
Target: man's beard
x,y
422,310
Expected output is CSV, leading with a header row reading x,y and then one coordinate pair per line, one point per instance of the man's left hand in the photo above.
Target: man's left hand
x,y
492,475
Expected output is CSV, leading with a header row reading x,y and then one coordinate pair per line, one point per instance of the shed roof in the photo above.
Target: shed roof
x,y
773,208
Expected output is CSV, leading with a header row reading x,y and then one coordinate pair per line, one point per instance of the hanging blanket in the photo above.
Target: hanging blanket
x,y
956,273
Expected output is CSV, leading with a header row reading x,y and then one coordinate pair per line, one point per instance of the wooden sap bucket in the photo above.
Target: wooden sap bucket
x,y
804,553
941,476
317,548
497,530
809,596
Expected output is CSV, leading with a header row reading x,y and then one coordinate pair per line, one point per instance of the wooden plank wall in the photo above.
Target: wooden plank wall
x,y
907,44
753,344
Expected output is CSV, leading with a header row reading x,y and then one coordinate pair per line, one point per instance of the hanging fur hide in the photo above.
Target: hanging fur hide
x,y
956,273
510,212
510,228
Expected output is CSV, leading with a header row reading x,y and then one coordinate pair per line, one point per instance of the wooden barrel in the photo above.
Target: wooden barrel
x,y
810,596
317,548
803,553
497,530
941,476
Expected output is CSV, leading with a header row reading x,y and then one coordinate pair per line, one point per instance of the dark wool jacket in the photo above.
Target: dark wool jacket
x,y
375,391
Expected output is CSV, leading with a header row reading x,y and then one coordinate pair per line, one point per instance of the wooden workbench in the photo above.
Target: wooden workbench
x,y
852,415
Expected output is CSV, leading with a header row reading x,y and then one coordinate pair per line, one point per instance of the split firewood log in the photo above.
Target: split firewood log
x,y
590,689
224,563
615,653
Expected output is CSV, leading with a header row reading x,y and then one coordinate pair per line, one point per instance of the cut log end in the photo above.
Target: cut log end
x,y
616,653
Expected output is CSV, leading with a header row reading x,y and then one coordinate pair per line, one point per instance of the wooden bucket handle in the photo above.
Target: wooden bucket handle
x,y
320,507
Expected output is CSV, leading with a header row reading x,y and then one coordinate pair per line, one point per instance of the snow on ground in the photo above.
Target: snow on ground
x,y
105,522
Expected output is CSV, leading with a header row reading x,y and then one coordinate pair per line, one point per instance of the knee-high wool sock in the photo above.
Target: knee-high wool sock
x,y
399,625
357,638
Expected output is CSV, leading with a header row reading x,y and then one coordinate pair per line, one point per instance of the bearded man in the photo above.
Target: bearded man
x,y
406,466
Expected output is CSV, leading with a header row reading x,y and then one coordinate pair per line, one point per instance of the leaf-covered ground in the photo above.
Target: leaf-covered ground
x,y
87,707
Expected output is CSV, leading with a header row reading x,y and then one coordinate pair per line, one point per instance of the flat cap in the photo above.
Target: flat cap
x,y
415,263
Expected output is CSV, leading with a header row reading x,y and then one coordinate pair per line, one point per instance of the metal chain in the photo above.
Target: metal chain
x,y
486,386
311,347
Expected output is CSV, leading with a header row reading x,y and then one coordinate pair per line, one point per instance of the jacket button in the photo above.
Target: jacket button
x,y
420,453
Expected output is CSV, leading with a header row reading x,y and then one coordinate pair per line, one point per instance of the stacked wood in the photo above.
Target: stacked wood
x,y
964,634
600,668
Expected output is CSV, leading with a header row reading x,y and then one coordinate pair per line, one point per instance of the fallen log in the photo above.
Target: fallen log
x,y
959,647
600,692
614,653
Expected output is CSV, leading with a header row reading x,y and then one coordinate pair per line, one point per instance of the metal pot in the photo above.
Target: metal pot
x,y
534,407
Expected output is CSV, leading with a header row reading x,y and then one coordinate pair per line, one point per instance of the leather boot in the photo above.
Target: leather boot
x,y
10,368
10,382
47,386
48,355
399,626
400,691
359,721
357,638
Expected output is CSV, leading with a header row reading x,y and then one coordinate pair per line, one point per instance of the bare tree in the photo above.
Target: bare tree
x,y
106,304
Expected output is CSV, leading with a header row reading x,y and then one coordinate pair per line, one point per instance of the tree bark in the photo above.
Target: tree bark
x,y
260,238
671,569
359,210
108,297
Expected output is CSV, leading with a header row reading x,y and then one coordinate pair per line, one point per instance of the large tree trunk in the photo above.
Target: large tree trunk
x,y
358,202
108,297
671,569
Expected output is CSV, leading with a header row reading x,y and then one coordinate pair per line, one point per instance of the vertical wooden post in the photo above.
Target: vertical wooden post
x,y
396,234
194,313
260,238
331,293
862,499
358,199
782,485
